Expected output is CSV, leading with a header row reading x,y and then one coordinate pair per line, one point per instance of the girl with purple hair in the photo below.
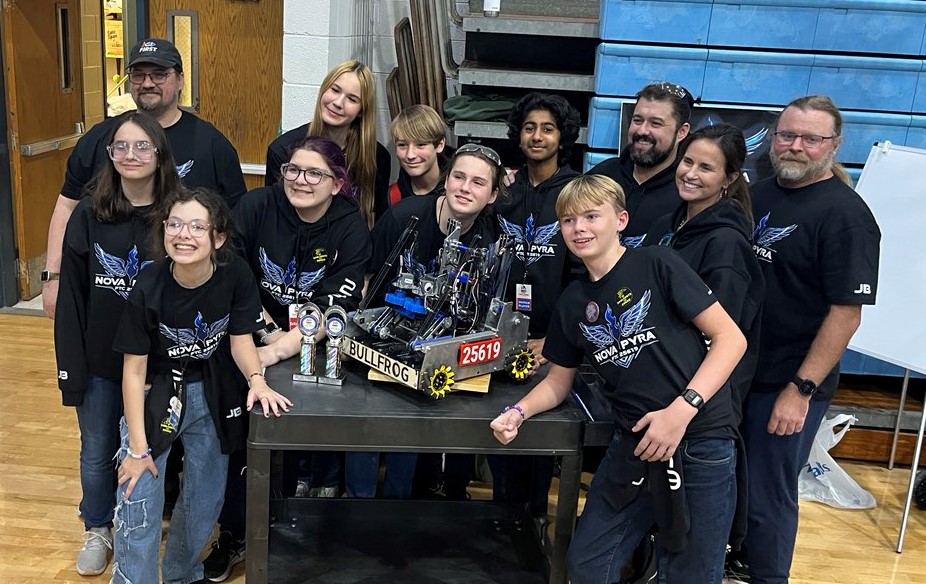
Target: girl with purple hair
x,y
304,239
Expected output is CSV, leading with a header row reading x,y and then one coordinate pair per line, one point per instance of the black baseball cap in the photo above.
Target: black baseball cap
x,y
157,52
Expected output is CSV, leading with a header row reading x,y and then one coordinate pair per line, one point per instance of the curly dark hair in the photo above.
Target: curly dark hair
x,y
219,216
566,116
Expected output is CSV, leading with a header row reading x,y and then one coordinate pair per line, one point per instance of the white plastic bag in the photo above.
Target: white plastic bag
x,y
825,481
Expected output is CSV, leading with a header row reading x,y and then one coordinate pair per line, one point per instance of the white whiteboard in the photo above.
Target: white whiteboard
x,y
893,184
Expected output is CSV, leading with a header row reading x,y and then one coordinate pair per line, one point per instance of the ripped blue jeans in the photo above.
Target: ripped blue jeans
x,y
137,536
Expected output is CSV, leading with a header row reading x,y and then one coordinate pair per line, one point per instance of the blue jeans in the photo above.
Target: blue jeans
x,y
774,464
361,473
138,521
98,419
605,538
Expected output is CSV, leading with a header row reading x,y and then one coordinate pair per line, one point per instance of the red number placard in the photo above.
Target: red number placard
x,y
480,351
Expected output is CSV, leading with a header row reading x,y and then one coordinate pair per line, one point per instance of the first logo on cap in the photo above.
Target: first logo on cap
x,y
148,47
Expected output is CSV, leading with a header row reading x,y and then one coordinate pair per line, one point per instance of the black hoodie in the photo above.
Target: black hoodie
x,y
528,213
404,182
278,155
716,244
99,264
295,261
645,202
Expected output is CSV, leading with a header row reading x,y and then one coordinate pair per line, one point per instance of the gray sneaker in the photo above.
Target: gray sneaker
x,y
324,492
94,555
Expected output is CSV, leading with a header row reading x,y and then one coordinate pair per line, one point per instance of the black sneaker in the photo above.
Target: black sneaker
x,y
735,570
226,552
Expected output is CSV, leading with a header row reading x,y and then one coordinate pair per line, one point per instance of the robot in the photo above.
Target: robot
x,y
443,324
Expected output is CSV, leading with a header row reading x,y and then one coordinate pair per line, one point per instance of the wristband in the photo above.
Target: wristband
x,y
144,454
516,408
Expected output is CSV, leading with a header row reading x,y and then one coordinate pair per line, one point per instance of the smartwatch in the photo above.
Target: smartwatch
x,y
805,386
694,398
48,276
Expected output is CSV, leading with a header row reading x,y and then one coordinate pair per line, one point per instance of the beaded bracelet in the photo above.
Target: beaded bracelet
x,y
516,408
144,454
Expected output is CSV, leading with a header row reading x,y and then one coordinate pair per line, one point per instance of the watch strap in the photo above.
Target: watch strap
x,y
693,398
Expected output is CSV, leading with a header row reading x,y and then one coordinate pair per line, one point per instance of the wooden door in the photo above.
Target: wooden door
x,y
41,46
237,68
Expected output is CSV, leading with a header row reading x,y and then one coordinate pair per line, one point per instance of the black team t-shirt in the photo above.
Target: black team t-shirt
x,y
203,155
389,228
181,328
817,246
634,327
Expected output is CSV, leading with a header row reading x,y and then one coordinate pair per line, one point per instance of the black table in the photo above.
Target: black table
x,y
366,416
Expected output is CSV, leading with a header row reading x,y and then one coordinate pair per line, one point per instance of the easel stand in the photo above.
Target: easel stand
x,y
916,459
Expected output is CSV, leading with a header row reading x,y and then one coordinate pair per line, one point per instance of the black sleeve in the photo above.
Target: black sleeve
x,y
133,335
245,216
685,291
381,186
561,345
850,257
247,314
83,162
228,170
71,313
276,158
343,281
386,233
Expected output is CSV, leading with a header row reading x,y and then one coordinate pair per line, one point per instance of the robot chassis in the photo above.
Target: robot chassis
x,y
445,325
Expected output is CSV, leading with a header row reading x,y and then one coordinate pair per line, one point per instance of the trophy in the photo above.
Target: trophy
x,y
335,326
308,319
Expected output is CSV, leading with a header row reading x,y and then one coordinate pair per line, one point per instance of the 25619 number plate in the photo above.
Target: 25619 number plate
x,y
480,351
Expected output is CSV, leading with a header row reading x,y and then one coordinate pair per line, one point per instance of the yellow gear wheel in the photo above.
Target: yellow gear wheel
x,y
441,380
520,363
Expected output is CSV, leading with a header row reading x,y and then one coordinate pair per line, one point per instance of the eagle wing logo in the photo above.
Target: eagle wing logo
x,y
307,280
631,321
635,241
198,336
117,267
185,168
626,325
602,335
511,229
764,236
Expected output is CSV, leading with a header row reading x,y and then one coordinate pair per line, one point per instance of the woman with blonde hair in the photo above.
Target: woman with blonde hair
x,y
345,113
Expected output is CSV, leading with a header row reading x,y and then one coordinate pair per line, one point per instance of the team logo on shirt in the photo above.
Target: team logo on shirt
x,y
623,337
531,243
591,311
198,342
635,241
287,285
764,236
120,273
320,255
185,168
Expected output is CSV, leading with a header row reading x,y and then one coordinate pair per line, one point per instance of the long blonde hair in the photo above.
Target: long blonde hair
x,y
360,149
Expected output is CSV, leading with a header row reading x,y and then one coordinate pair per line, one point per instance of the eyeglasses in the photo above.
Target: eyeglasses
x,y
811,140
143,150
157,77
313,176
483,150
197,229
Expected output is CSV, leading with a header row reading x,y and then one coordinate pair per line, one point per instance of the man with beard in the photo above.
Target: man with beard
x,y
646,167
203,155
818,245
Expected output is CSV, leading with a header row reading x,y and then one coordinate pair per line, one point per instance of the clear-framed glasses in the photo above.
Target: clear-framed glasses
x,y
143,150
811,140
158,77
313,176
492,155
197,228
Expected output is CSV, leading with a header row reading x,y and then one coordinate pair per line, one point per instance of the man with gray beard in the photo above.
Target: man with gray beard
x,y
818,245
646,167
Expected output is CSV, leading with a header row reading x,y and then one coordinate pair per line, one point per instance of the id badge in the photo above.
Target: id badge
x,y
523,301
176,408
294,315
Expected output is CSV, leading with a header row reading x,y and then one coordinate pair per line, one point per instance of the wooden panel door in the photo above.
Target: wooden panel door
x,y
41,46
239,70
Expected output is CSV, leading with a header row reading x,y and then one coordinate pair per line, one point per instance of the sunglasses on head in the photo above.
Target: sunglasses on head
x,y
483,150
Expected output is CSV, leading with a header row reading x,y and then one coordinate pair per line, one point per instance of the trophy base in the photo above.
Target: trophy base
x,y
330,380
305,378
